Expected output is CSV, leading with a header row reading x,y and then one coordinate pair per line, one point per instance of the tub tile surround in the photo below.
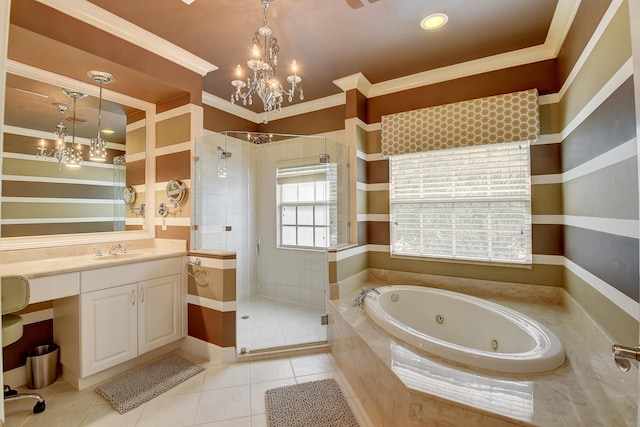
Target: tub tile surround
x,y
400,385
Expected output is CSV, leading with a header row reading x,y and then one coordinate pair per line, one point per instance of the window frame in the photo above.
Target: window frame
x,y
326,204
399,248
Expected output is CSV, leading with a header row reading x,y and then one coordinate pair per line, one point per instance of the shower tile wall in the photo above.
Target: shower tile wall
x,y
225,202
288,275
246,201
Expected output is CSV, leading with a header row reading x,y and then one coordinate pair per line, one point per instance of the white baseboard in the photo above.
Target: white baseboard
x,y
208,351
16,377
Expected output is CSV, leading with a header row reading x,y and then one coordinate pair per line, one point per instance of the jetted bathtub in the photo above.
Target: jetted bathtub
x,y
465,329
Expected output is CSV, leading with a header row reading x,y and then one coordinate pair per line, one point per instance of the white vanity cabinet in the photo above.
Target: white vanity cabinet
x,y
108,328
122,312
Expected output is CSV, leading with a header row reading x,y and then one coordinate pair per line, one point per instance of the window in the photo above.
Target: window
x,y
470,203
307,205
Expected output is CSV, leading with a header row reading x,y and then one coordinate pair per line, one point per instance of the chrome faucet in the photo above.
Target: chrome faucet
x,y
363,294
621,355
114,249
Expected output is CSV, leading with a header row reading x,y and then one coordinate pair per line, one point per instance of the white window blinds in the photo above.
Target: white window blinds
x,y
469,203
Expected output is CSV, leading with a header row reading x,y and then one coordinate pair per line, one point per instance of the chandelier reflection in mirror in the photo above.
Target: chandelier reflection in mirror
x,y
263,81
69,155
74,151
98,146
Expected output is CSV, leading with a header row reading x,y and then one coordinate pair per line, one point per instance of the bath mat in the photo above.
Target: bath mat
x,y
312,404
133,388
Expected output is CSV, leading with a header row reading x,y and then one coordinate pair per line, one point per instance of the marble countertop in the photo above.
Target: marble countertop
x,y
39,263
587,389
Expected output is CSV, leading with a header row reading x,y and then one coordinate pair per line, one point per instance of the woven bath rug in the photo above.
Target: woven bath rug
x,y
131,389
312,404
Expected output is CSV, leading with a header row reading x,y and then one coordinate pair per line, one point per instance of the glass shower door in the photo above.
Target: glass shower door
x,y
290,226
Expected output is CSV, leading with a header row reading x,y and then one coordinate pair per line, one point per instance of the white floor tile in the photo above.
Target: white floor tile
x,y
221,376
270,370
311,364
169,411
224,404
258,390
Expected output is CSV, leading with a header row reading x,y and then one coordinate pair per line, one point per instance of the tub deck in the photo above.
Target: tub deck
x,y
400,385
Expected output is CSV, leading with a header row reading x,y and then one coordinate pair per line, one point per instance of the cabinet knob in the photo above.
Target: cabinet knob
x,y
141,295
133,297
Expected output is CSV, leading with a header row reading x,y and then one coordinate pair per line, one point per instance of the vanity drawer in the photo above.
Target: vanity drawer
x,y
48,288
108,277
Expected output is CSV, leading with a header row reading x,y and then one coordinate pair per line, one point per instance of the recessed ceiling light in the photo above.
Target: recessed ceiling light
x,y
433,21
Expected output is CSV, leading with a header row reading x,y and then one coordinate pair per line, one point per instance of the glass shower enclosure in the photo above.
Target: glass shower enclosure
x,y
279,202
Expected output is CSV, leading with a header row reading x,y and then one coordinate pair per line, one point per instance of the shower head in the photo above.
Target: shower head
x,y
223,154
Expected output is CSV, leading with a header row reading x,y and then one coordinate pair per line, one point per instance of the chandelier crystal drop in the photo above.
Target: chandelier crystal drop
x,y
98,146
262,81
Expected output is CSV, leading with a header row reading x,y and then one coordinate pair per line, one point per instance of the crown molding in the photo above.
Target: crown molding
x,y
354,81
106,21
39,74
560,25
290,111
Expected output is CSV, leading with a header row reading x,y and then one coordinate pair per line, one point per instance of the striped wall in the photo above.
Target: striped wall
x,y
41,198
174,130
599,176
584,173
212,298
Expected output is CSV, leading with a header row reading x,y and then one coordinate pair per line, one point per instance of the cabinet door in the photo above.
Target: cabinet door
x,y
108,328
159,312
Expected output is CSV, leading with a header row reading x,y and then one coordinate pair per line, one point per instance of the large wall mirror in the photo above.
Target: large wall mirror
x,y
46,201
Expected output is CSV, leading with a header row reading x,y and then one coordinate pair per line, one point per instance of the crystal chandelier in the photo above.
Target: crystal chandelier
x,y
262,81
98,146
59,151
68,155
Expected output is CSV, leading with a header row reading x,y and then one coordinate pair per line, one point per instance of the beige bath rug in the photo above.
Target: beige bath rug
x,y
131,389
312,404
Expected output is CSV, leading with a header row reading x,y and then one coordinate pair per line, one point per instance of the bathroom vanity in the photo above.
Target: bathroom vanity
x,y
109,310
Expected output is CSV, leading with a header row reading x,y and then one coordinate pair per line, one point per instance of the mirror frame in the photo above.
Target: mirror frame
x,y
47,241
176,192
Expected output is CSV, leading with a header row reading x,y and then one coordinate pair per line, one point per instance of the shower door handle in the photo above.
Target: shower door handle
x,y
258,246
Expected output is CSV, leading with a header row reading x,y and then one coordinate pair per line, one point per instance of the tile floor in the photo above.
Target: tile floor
x,y
273,323
222,396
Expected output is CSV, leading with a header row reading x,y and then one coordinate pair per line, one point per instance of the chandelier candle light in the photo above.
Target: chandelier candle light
x,y
98,146
68,155
263,80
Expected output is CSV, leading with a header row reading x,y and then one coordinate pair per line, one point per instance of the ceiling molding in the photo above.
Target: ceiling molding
x,y
290,111
34,73
465,69
227,106
106,21
112,24
560,24
354,81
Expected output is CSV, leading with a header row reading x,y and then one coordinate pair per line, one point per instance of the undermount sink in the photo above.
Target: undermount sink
x,y
118,256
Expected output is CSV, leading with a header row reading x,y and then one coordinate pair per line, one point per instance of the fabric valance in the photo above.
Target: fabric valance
x,y
501,118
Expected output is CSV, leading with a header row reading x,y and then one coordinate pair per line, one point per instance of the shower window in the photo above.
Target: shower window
x,y
307,206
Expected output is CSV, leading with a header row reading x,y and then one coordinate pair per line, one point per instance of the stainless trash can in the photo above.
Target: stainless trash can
x,y
42,365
